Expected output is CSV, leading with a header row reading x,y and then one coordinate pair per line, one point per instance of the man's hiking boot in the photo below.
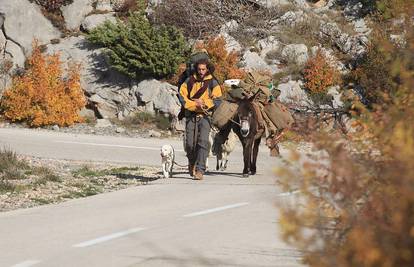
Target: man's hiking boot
x,y
191,169
198,175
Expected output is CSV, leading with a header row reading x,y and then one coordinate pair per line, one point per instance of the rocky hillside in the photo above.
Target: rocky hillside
x,y
280,42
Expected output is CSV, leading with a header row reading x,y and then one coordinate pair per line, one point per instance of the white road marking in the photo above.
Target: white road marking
x,y
27,263
286,194
216,209
109,145
108,237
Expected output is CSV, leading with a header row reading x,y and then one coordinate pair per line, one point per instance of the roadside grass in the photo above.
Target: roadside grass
x,y
16,175
24,185
145,120
86,171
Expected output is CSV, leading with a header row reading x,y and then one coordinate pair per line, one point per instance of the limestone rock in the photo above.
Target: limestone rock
x,y
75,13
93,21
295,53
253,61
104,6
159,96
291,93
23,22
16,53
267,45
103,123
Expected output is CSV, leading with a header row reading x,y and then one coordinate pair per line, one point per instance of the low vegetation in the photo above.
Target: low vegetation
x,y
138,49
356,194
319,75
26,184
43,95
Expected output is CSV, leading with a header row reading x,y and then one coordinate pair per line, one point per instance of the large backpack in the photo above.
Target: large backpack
x,y
190,82
187,73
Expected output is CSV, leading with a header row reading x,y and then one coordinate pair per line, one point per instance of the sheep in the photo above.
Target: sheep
x,y
222,151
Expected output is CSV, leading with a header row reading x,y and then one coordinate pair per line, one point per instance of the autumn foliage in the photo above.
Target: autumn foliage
x,y
355,201
43,95
319,74
225,62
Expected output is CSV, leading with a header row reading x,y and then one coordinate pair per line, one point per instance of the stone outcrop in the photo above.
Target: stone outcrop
x,y
158,96
295,53
93,21
76,12
23,22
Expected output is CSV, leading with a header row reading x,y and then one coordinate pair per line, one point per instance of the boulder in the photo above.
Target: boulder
x,y
23,22
336,101
267,45
346,43
93,21
105,108
103,123
156,134
231,43
292,94
104,6
291,18
361,27
86,113
295,53
76,12
158,96
253,61
16,54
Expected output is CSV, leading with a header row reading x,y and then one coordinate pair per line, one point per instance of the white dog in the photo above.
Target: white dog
x,y
167,160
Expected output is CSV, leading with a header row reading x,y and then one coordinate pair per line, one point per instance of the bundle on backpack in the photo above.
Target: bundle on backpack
x,y
254,84
279,115
224,113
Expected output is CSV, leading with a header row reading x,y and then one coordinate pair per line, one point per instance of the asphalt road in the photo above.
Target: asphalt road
x,y
224,220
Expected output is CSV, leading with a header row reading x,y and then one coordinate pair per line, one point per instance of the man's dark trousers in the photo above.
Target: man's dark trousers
x,y
197,132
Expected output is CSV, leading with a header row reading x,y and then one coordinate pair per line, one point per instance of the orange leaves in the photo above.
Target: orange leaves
x,y
43,96
319,74
225,62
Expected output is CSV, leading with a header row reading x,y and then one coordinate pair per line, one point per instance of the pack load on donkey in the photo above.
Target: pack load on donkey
x,y
272,115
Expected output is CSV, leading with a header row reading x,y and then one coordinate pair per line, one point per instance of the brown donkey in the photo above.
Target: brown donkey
x,y
247,127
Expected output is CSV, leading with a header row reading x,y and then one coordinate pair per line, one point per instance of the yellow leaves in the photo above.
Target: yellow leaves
x,y
43,96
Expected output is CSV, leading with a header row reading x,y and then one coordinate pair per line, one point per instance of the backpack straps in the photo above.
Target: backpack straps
x,y
208,84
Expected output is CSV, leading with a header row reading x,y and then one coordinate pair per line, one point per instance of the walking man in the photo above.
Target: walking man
x,y
201,94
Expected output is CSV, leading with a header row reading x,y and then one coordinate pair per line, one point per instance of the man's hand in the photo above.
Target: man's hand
x,y
199,103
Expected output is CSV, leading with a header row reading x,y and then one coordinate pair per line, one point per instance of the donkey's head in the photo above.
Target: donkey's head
x,y
246,116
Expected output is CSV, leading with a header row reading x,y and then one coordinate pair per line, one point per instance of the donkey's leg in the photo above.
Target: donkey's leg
x,y
247,155
254,156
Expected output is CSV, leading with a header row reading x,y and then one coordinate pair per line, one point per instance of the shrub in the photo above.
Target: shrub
x,y
125,7
356,203
376,63
195,18
225,63
139,50
42,96
319,74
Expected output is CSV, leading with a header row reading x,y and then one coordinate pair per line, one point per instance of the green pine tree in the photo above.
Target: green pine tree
x,y
138,49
